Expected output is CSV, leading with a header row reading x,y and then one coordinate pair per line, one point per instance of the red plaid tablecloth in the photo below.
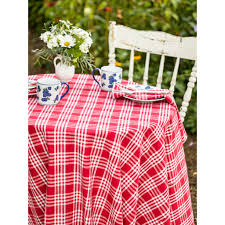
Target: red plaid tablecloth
x,y
98,160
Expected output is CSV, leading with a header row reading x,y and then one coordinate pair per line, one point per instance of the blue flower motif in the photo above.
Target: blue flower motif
x,y
114,74
110,86
49,88
57,88
44,99
112,79
147,87
103,84
46,93
56,98
104,76
38,88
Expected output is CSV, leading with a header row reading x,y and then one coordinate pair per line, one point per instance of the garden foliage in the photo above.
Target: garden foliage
x,y
176,17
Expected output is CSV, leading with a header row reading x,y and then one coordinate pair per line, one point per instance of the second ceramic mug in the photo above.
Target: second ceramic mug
x,y
109,75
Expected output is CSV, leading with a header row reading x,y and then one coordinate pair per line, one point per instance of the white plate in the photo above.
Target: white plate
x,y
145,101
145,89
141,87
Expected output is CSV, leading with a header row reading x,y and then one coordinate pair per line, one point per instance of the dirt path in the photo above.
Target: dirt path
x,y
190,148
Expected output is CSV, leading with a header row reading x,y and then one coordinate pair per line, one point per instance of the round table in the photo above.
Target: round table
x,y
98,160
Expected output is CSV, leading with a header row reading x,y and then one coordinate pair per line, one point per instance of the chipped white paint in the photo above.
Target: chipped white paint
x,y
155,42
112,55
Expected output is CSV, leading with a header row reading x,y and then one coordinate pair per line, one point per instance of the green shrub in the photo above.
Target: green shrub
x,y
177,17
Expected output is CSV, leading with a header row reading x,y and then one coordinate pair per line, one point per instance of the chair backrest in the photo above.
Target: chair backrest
x,y
159,43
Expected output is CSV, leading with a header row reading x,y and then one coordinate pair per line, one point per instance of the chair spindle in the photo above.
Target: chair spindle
x,y
174,77
147,61
131,67
160,74
187,95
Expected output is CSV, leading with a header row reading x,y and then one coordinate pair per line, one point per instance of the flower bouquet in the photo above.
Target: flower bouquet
x,y
70,45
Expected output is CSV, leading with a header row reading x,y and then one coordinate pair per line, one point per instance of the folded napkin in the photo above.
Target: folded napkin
x,y
131,92
32,84
31,91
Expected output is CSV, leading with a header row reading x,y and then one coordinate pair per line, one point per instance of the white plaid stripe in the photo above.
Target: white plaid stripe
x,y
98,160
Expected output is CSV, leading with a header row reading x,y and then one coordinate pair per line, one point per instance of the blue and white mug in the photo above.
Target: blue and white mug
x,y
48,91
109,75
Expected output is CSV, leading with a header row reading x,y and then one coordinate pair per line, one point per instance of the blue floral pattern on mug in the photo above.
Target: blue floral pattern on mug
x,y
44,99
104,76
38,88
56,98
46,92
112,80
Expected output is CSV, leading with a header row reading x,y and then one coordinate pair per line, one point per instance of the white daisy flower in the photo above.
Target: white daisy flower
x,y
88,41
59,37
49,45
52,42
75,31
80,33
84,34
45,36
84,47
66,41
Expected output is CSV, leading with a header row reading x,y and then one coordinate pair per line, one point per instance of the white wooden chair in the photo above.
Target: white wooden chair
x,y
155,42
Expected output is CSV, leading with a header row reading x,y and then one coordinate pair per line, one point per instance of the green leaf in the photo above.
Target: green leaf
x,y
168,13
174,2
175,16
102,5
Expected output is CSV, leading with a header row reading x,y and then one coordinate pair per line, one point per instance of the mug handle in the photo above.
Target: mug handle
x,y
55,59
93,75
66,90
